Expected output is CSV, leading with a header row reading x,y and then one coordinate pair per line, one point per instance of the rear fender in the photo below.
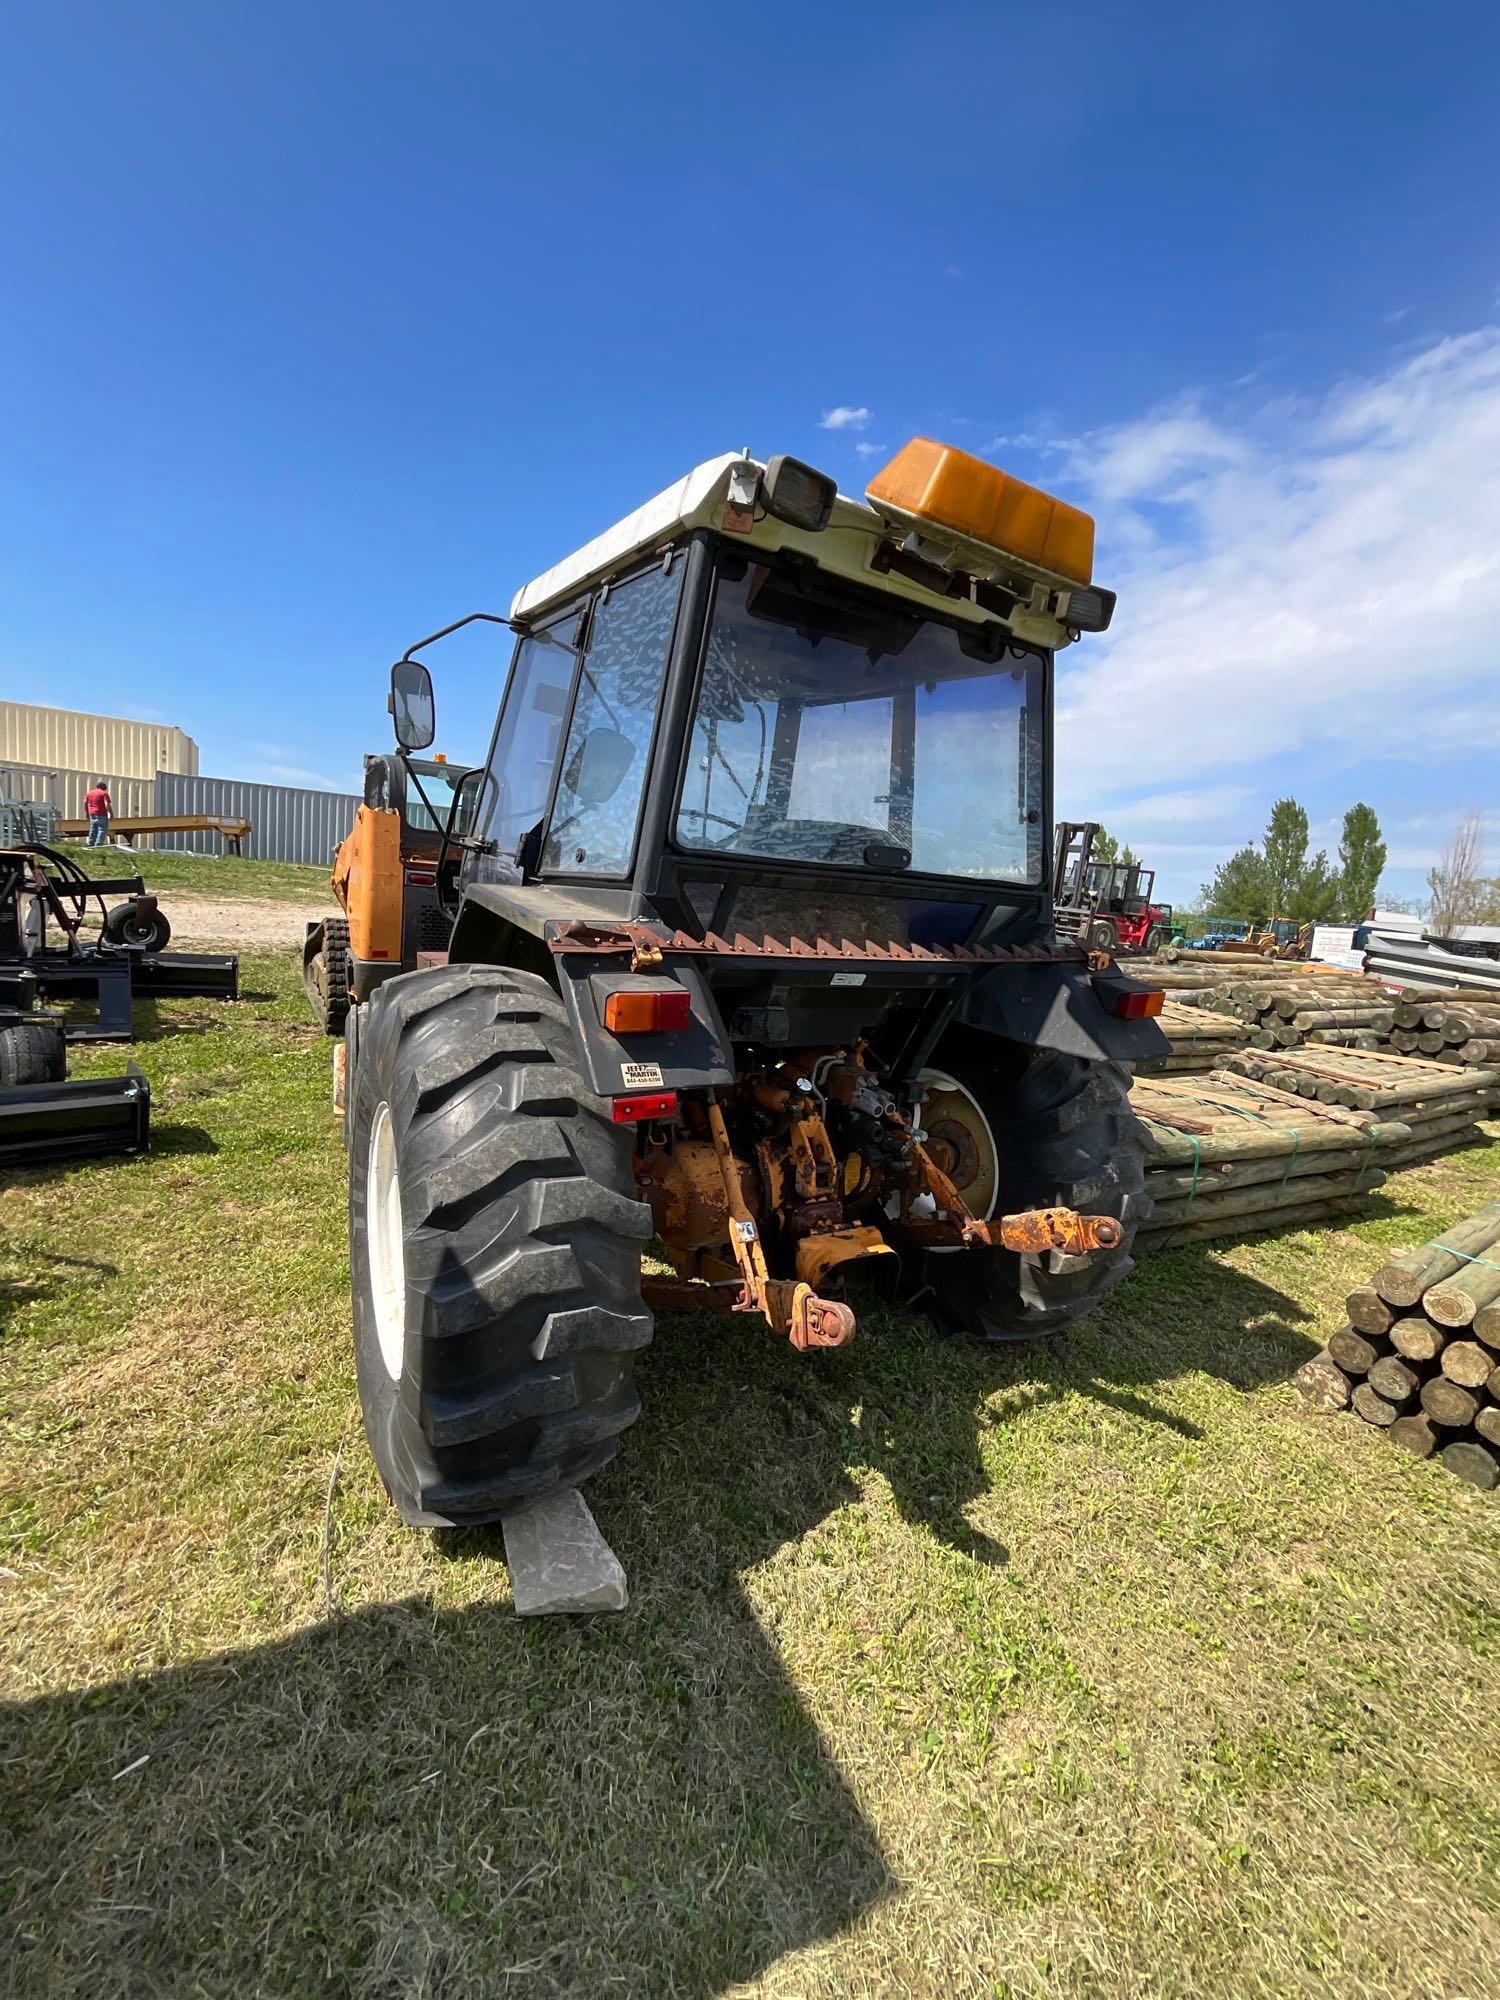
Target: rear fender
x,y
691,1058
1065,1008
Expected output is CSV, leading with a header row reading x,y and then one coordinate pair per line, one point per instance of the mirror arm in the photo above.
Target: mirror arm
x,y
474,617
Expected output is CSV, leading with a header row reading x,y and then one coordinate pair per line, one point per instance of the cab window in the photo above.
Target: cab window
x,y
608,750
530,734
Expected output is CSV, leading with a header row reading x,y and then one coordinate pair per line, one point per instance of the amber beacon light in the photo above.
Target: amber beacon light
x,y
939,486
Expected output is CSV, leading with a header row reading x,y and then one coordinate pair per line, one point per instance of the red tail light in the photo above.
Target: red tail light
x,y
648,1013
649,1104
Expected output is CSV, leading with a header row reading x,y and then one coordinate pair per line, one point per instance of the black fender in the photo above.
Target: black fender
x,y
696,1057
1063,1007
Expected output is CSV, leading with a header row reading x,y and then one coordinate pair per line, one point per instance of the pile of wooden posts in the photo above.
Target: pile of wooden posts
x,y
1420,1356
1282,1005
1226,1156
1200,1040
1461,1028
1440,1104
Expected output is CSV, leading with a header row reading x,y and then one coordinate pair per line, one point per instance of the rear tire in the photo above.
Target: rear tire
x,y
151,932
495,1244
1103,936
325,976
31,1052
1156,937
1064,1134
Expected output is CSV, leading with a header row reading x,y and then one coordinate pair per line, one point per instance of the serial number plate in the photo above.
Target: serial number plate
x,y
847,979
641,1076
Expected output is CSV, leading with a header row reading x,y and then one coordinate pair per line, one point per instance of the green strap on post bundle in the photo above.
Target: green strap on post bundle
x,y
1462,1254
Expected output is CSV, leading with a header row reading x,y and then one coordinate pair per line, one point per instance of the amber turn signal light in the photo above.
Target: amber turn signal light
x,y
1136,1005
651,1013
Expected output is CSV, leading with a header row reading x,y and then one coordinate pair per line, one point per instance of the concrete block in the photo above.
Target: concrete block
x,y
559,1561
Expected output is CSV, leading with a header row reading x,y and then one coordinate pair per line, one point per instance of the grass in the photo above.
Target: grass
x,y
218,875
1099,1669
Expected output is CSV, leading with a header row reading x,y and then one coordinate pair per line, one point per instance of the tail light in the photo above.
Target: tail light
x,y
652,1013
648,1104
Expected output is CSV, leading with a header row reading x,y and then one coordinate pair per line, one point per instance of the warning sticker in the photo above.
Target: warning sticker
x,y
641,1076
847,979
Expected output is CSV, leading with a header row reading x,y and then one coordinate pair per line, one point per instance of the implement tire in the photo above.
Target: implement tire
x,y
31,1052
1061,1132
325,976
148,932
495,1247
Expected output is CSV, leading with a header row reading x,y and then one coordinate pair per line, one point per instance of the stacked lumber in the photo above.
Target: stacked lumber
x,y
1200,1040
1420,1357
1226,1156
1439,1103
1462,1028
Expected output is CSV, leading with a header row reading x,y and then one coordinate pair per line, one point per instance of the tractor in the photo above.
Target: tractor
x,y
750,951
1281,937
385,880
1107,903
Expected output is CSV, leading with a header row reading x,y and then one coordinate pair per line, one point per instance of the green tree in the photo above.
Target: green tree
x,y
1284,856
1106,847
1317,894
1361,860
1129,856
1239,886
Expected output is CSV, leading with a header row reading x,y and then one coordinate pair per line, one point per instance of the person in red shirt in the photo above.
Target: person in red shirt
x,y
98,804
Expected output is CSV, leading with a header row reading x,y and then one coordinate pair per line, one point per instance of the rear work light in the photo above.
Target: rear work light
x,y
1087,610
648,1013
1136,1005
648,1104
794,493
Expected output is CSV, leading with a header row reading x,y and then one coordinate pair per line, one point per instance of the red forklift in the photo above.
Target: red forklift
x,y
1107,905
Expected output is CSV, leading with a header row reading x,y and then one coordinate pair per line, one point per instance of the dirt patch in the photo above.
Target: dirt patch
x,y
238,922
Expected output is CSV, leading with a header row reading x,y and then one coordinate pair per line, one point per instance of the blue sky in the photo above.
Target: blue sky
x,y
322,325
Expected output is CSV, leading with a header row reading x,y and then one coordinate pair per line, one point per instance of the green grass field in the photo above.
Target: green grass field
x,y
1104,1668
220,875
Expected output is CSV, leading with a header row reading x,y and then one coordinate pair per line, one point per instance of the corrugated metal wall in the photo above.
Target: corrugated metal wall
x,y
65,789
109,745
287,823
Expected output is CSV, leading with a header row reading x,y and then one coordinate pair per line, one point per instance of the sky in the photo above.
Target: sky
x,y
323,325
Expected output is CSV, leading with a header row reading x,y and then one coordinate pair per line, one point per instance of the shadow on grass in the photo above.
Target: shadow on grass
x,y
457,1802
444,1802
49,1272
170,1138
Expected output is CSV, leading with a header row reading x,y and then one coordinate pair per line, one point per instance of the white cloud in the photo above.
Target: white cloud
x,y
866,450
1205,802
953,270
1325,579
844,417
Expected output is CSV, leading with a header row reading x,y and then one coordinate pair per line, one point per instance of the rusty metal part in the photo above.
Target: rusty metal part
x,y
1029,1230
688,1295
1034,1229
574,935
642,941
792,1307
819,1255
685,1187
795,1309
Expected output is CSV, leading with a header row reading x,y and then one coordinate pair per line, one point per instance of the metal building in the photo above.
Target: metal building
x,y
133,797
104,746
287,822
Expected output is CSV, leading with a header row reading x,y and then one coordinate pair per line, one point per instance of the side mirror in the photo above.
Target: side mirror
x,y
412,708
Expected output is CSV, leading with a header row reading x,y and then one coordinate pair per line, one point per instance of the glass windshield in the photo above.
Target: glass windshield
x,y
837,725
439,782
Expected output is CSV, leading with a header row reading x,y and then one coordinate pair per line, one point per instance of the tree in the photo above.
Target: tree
x,y
1106,848
1458,889
1361,860
1316,895
1285,856
1239,886
1129,857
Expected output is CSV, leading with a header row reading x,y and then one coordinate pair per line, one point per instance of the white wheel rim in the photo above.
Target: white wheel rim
x,y
385,1243
938,1084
